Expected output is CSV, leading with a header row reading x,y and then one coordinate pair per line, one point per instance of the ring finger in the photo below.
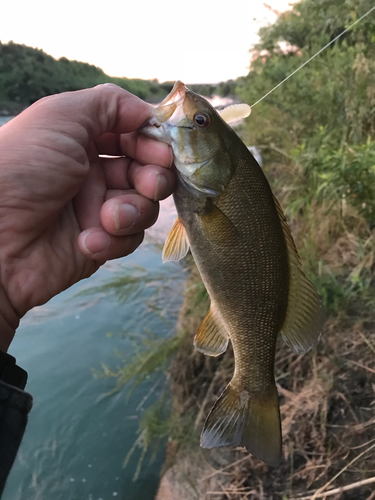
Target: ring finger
x,y
128,214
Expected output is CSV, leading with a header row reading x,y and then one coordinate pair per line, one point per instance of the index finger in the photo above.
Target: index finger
x,y
136,146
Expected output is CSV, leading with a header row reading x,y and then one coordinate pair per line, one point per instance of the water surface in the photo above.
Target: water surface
x,y
76,439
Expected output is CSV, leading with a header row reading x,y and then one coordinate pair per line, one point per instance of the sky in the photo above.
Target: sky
x,y
196,41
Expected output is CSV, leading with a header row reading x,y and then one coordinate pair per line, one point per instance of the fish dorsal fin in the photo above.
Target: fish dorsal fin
x,y
177,244
211,338
235,112
304,318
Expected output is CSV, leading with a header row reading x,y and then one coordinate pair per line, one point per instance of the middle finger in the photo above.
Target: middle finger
x,y
152,181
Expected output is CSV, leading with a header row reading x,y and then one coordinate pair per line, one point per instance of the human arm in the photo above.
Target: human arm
x,y
64,210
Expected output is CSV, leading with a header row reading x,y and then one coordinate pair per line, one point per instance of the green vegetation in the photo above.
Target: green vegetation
x,y
151,351
317,134
27,74
223,89
335,91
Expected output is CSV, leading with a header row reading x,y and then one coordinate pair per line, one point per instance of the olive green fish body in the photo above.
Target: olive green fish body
x,y
244,267
248,261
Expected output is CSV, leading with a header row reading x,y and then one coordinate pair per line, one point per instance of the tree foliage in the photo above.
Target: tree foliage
x,y
323,117
27,74
335,91
318,132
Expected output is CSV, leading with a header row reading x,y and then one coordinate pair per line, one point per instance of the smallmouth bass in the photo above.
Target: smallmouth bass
x,y
245,253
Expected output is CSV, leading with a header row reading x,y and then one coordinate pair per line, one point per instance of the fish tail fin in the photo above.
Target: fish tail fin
x,y
253,422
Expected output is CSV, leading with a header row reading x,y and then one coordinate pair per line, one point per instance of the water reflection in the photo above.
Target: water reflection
x,y
77,439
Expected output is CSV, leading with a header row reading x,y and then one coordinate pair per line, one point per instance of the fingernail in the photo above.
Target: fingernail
x,y
125,216
161,186
96,241
172,160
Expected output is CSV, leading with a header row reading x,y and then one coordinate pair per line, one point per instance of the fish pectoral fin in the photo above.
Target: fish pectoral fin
x,y
211,338
253,422
235,112
304,317
177,244
217,226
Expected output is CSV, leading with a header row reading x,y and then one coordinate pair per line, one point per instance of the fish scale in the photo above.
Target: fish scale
x,y
248,262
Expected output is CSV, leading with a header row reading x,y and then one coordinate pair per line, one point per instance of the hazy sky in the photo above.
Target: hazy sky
x,y
193,41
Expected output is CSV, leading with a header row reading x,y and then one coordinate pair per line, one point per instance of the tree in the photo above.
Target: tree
x,y
335,91
27,74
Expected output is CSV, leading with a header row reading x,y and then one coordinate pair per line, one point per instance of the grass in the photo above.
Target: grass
x,y
150,354
328,417
327,397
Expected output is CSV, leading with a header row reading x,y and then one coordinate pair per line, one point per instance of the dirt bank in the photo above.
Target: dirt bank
x,y
328,417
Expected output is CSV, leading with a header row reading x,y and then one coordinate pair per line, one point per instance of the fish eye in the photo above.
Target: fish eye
x,y
202,119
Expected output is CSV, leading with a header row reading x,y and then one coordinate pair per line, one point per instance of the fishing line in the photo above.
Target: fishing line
x,y
311,58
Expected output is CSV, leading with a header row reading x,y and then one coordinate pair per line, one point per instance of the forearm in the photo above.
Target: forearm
x,y
15,405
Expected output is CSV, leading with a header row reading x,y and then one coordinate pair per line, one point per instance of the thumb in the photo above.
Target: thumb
x,y
88,114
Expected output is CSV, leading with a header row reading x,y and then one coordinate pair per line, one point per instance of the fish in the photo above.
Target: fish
x,y
244,250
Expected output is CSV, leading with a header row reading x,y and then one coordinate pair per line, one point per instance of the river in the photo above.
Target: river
x,y
77,437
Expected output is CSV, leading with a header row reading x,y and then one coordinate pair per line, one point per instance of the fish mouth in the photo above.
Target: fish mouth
x,y
156,126
178,92
168,106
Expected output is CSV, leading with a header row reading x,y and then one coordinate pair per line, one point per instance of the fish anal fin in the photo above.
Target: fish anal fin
x,y
176,245
238,418
211,338
304,317
235,112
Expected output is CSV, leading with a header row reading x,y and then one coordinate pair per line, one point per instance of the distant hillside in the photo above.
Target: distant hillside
x,y
27,74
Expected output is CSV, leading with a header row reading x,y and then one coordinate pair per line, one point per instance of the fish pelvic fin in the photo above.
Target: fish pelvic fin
x,y
177,245
304,317
239,418
211,338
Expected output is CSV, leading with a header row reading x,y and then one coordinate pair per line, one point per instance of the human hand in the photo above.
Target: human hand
x,y
64,210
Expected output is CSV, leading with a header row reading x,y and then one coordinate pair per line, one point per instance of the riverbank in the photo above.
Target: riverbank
x,y
327,396
327,408
316,132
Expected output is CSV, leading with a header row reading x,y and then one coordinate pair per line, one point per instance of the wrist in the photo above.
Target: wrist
x,y
9,321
